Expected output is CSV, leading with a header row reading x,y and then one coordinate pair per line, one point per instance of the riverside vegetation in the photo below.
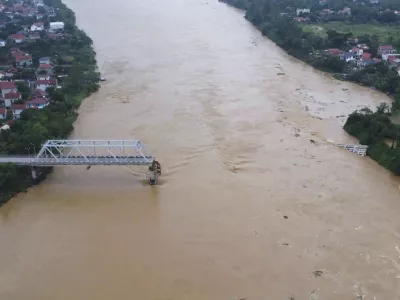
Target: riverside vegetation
x,y
76,62
275,19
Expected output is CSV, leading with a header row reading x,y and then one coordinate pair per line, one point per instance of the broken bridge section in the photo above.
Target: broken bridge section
x,y
360,150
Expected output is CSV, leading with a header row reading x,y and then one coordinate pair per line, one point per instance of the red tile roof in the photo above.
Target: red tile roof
x,y
17,52
12,95
385,47
38,101
3,110
23,58
37,24
42,81
7,85
45,66
40,92
17,36
366,56
335,51
18,106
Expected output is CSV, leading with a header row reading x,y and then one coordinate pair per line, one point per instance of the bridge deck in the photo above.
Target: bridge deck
x,y
78,160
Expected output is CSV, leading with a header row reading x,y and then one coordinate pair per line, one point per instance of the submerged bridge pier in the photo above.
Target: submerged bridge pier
x,y
89,153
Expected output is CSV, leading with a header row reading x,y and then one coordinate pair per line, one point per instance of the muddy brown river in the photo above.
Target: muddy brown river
x,y
248,207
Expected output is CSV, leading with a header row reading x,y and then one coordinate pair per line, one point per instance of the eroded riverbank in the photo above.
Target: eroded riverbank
x,y
199,85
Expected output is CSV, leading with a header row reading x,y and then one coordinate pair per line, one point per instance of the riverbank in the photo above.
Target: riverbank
x,y
72,77
224,125
306,46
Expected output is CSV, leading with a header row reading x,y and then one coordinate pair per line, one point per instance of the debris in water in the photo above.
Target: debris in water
x,y
297,135
285,217
312,141
318,273
281,74
285,244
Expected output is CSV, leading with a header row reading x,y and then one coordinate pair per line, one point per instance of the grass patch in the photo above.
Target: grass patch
x,y
382,31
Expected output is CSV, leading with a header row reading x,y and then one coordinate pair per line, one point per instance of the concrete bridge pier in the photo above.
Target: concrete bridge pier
x,y
34,176
155,169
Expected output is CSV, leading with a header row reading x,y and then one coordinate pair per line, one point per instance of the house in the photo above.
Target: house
x,y
366,56
2,43
374,1
53,36
23,60
393,59
54,26
371,62
44,84
7,87
34,36
38,26
363,46
46,67
335,51
17,38
398,70
386,49
17,109
352,40
37,103
3,113
302,11
345,11
16,52
10,72
388,56
43,76
2,74
347,56
44,60
11,97
39,16
39,94
326,11
300,19
357,51
322,2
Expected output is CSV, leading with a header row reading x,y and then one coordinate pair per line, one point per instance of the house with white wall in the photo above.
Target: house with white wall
x,y
10,98
38,26
54,26
7,87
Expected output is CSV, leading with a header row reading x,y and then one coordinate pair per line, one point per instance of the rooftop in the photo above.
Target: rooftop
x,y
7,85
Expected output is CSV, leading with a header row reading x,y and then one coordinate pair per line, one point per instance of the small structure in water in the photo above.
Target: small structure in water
x,y
155,168
360,150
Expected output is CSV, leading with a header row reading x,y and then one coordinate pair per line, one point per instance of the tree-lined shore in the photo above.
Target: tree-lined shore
x,y
74,64
281,22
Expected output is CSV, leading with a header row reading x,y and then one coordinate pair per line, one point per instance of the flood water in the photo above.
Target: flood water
x,y
248,206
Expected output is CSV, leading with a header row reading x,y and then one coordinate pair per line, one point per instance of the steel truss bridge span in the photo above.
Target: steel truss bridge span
x,y
86,152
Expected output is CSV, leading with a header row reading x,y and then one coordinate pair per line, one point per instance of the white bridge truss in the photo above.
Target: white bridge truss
x,y
86,152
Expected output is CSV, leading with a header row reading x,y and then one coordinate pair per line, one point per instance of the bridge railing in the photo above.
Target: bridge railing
x,y
119,151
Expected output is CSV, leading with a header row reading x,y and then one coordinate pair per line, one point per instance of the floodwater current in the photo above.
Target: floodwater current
x,y
248,207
